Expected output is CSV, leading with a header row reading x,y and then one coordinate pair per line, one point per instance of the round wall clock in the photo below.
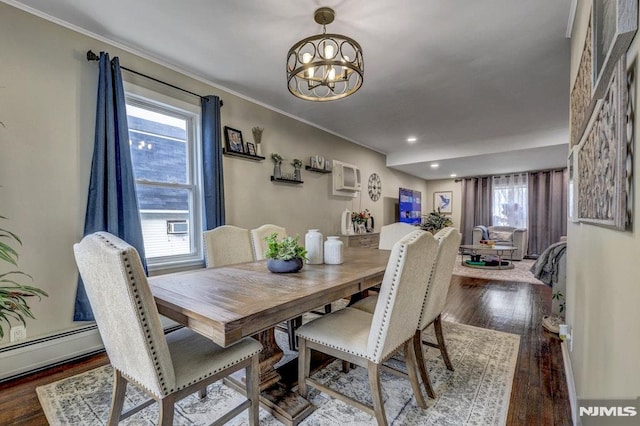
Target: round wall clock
x,y
375,186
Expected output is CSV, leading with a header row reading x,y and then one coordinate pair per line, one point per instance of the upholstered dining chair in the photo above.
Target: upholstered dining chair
x,y
367,339
227,245
390,234
167,368
259,234
435,299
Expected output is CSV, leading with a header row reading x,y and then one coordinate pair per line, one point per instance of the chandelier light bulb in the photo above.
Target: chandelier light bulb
x,y
328,51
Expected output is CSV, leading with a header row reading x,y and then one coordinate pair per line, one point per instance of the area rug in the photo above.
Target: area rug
x,y
521,272
476,393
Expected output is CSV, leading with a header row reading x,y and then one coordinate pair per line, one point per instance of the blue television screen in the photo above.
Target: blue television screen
x,y
410,206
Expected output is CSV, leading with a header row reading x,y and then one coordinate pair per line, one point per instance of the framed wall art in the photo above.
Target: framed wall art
x,y
233,139
614,23
602,156
572,190
442,201
581,101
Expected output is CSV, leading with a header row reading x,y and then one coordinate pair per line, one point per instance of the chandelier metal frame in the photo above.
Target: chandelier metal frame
x,y
325,67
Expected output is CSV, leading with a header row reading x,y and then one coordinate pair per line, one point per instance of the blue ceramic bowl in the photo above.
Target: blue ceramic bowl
x,y
284,266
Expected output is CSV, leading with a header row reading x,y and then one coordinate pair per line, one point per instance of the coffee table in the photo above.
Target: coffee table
x,y
498,250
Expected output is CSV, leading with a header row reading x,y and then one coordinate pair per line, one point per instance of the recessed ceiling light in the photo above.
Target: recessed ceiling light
x,y
453,175
435,165
412,139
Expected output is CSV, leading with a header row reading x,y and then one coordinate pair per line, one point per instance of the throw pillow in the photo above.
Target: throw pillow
x,y
501,235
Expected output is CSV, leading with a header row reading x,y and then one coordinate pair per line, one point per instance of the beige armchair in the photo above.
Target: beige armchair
x,y
504,235
167,368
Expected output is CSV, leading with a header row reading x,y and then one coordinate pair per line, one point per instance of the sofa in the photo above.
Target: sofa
x,y
503,235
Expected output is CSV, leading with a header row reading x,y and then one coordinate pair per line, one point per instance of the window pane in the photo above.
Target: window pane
x,y
165,220
510,200
158,145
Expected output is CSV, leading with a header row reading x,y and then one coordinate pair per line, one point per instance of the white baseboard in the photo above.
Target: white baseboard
x,y
571,384
33,355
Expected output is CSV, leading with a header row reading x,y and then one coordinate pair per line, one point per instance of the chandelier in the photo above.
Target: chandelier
x,y
325,67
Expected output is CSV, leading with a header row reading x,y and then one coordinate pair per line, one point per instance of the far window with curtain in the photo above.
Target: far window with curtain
x,y
163,139
510,200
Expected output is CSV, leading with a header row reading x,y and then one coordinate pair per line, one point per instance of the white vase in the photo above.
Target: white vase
x,y
313,244
333,251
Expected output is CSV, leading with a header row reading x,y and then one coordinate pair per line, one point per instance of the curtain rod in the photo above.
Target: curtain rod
x,y
93,57
518,173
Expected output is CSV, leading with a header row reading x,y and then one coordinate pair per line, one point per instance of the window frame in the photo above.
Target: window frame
x,y
161,103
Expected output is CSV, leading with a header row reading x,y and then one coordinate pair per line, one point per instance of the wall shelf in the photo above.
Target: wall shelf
x,y
283,180
242,155
314,169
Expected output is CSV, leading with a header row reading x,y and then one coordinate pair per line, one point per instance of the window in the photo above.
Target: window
x,y
510,200
163,137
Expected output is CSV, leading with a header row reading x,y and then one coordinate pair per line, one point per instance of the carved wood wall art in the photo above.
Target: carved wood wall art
x,y
581,100
602,157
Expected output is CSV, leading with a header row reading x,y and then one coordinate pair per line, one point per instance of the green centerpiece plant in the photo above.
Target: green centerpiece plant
x,y
435,221
285,255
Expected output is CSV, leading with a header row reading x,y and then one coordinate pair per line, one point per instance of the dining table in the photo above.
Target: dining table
x,y
229,303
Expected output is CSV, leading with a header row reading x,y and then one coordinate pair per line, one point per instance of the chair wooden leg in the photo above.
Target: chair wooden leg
x,y
202,393
410,360
346,366
304,366
252,373
117,398
376,392
327,308
165,417
437,325
421,363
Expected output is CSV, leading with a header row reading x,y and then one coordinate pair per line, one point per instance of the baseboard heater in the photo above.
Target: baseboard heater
x,y
35,355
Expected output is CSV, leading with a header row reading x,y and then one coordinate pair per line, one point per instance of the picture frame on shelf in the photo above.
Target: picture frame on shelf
x,y
442,201
251,148
233,140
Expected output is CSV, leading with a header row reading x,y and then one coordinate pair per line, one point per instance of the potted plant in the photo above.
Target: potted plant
x,y
435,221
257,138
277,160
297,164
284,255
13,295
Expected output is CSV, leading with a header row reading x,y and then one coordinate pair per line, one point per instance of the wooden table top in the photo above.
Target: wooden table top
x,y
236,301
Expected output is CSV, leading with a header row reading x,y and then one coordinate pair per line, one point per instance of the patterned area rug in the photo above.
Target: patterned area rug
x,y
476,393
521,272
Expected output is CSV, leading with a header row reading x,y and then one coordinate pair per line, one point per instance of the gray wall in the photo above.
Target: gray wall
x,y
47,101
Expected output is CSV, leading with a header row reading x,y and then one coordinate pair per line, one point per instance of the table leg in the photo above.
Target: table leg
x,y
270,355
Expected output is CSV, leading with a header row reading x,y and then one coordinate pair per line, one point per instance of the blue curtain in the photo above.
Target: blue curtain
x,y
112,205
212,163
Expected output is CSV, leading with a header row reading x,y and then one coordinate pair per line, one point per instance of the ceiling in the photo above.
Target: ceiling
x,y
482,85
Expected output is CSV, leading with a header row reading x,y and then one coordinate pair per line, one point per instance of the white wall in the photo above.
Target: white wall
x,y
603,281
456,199
47,102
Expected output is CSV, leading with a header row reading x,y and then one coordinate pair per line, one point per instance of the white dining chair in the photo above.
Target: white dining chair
x,y
227,245
390,234
434,302
367,339
259,234
167,368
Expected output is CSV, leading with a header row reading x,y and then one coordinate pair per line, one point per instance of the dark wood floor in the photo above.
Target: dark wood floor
x,y
539,395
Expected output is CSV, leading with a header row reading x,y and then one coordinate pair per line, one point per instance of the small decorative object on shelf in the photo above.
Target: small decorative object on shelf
x,y
251,149
296,169
333,251
313,243
257,138
285,255
277,161
233,139
359,221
